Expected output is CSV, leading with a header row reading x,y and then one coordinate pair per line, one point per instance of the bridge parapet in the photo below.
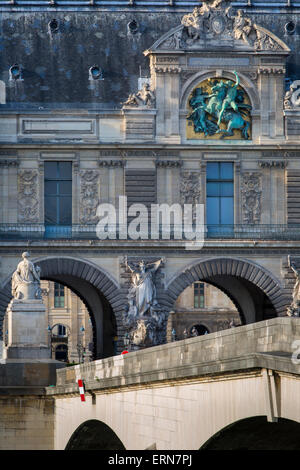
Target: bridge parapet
x,y
267,344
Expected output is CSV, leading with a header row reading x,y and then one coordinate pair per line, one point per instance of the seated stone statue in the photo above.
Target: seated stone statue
x,y
144,97
25,283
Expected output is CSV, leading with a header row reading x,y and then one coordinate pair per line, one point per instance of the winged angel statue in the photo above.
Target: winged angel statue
x,y
143,316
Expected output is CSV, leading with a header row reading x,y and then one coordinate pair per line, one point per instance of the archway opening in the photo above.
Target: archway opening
x,y
94,288
94,435
199,330
102,319
203,308
254,293
257,433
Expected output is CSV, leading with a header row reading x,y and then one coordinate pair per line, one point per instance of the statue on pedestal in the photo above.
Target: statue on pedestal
x,y
143,316
25,282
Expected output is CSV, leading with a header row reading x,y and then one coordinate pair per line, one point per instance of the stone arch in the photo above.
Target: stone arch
x,y
241,279
245,82
100,293
94,435
256,433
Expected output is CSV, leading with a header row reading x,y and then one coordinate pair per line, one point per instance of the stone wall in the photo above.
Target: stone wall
x,y
26,422
179,395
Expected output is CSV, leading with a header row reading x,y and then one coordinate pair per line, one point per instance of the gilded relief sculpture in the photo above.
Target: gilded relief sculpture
x,y
224,102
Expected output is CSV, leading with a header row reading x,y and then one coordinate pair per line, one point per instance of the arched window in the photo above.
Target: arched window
x,y
59,330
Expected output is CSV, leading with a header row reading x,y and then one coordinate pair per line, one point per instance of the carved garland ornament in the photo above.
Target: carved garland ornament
x,y
190,189
251,197
28,207
89,199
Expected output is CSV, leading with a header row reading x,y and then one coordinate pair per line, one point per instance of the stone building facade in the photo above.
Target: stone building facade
x,y
205,308
69,325
139,117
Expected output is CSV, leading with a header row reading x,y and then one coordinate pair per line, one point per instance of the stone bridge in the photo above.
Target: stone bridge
x,y
232,389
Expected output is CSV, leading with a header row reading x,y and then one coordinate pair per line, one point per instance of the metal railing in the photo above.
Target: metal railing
x,y
19,232
189,4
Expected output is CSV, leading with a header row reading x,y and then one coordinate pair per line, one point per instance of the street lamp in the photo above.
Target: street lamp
x,y
173,335
80,348
49,329
126,340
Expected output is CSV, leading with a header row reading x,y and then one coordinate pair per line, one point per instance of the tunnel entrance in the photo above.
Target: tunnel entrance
x,y
94,435
257,433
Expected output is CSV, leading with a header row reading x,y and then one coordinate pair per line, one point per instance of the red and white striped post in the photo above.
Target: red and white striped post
x,y
81,389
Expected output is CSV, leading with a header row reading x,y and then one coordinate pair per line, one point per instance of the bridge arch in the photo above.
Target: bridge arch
x,y
256,433
98,290
256,292
94,435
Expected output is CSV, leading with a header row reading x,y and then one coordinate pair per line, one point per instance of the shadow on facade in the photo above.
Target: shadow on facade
x,y
256,433
94,435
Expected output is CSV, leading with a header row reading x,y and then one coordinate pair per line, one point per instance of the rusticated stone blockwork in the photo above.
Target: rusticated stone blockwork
x,y
27,423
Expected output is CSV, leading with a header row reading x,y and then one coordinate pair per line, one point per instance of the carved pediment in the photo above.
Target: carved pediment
x,y
217,25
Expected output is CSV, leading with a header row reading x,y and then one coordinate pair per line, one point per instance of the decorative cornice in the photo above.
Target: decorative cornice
x,y
7,163
168,163
280,153
271,70
273,164
168,69
112,163
138,153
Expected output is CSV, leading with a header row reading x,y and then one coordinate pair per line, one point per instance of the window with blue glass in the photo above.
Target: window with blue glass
x,y
58,193
219,194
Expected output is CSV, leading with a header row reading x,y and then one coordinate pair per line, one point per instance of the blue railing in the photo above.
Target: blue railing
x,y
15,232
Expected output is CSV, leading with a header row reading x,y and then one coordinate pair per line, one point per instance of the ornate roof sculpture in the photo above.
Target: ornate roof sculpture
x,y
217,24
292,96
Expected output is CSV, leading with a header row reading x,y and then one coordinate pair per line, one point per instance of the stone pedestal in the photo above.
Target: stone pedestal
x,y
27,330
26,358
